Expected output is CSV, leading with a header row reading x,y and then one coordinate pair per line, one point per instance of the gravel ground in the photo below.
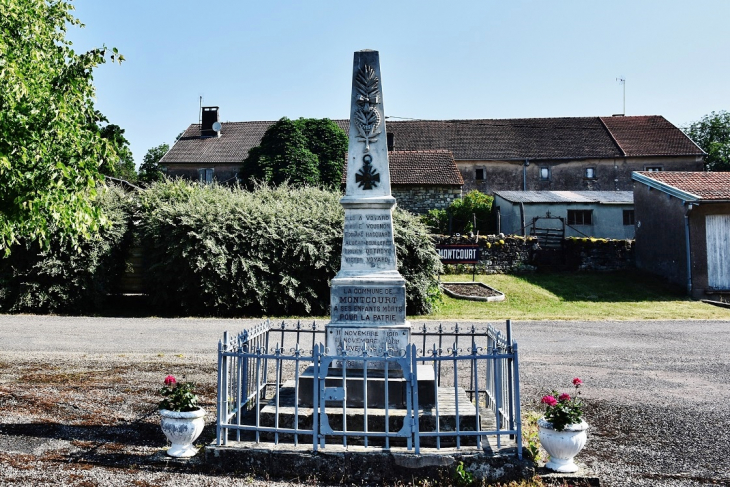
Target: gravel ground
x,y
77,397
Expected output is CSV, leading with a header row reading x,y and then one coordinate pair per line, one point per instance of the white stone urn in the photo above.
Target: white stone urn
x,y
182,429
562,446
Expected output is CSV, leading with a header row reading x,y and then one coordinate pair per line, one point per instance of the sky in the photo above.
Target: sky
x,y
439,60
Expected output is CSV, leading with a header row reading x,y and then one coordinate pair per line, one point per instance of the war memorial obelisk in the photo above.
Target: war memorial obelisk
x,y
368,295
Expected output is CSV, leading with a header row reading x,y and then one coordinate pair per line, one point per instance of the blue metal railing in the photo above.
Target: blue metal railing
x,y
475,389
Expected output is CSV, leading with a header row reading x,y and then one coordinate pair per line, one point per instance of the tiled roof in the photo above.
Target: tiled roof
x,y
421,168
604,197
695,186
236,139
485,139
508,139
650,136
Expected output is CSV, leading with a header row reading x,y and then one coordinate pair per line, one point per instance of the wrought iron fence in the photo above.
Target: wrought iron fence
x,y
450,387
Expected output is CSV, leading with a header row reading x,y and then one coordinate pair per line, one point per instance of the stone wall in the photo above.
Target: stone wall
x,y
420,199
500,254
567,175
599,254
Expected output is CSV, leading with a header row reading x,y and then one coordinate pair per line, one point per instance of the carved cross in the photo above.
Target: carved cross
x,y
367,177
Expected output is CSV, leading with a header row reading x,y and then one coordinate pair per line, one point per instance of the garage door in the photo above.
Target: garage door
x,y
718,251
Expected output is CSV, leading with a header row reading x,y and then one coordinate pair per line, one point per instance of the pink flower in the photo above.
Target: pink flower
x,y
577,382
170,380
549,400
564,397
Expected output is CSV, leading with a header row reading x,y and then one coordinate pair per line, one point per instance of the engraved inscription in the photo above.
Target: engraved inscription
x,y
343,340
384,304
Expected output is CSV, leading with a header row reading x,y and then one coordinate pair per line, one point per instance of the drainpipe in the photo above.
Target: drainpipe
x,y
524,175
689,253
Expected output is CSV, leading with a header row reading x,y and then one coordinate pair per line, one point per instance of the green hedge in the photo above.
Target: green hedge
x,y
270,251
65,279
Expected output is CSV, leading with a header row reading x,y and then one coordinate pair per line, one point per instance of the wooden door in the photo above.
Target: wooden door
x,y
718,251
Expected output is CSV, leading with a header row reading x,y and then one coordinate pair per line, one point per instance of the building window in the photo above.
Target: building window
x,y
544,173
480,174
628,217
653,168
590,173
205,175
580,217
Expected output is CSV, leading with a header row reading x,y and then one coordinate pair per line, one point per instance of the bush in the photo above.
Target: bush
x,y
462,213
63,278
270,251
418,263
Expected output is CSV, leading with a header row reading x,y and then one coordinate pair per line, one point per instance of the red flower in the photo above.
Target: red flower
x,y
577,382
564,397
549,400
170,380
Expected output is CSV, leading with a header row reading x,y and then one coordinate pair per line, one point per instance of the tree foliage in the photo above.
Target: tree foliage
x,y
712,134
303,152
462,213
122,166
51,148
150,171
329,143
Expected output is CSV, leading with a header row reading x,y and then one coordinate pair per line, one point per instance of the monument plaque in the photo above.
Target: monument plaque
x,y
368,294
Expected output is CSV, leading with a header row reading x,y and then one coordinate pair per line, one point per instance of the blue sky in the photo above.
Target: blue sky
x,y
439,60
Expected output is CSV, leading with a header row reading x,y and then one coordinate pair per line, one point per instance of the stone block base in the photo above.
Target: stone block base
x,y
354,388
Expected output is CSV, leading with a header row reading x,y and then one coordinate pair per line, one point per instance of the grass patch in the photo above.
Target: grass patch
x,y
622,295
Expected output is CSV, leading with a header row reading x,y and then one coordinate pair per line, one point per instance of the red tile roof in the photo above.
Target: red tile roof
x,y
508,139
703,185
649,136
485,139
421,168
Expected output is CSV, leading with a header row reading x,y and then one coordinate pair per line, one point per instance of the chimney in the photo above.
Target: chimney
x,y
210,122
391,141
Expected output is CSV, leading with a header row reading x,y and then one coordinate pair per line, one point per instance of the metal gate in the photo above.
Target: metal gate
x,y
336,389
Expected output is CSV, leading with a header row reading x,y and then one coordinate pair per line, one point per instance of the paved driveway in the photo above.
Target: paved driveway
x,y
658,390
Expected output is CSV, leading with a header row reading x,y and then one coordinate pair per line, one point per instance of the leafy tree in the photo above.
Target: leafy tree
x,y
712,134
462,213
305,151
123,166
329,143
281,156
51,148
150,171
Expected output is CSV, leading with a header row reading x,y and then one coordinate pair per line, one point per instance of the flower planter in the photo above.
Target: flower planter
x,y
562,446
182,429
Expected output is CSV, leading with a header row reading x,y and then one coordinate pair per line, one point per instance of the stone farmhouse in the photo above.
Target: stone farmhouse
x,y
434,161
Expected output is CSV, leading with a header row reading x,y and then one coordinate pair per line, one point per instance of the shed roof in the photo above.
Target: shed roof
x,y
690,186
479,139
561,197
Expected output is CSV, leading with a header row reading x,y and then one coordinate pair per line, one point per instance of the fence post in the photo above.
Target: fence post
x,y
220,393
510,376
414,403
518,413
315,397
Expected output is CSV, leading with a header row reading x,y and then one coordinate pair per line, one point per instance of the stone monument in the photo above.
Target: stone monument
x,y
368,294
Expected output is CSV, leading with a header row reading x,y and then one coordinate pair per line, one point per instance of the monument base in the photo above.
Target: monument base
x,y
354,389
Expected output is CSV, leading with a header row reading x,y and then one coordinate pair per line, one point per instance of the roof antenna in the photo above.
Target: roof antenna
x,y
622,79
